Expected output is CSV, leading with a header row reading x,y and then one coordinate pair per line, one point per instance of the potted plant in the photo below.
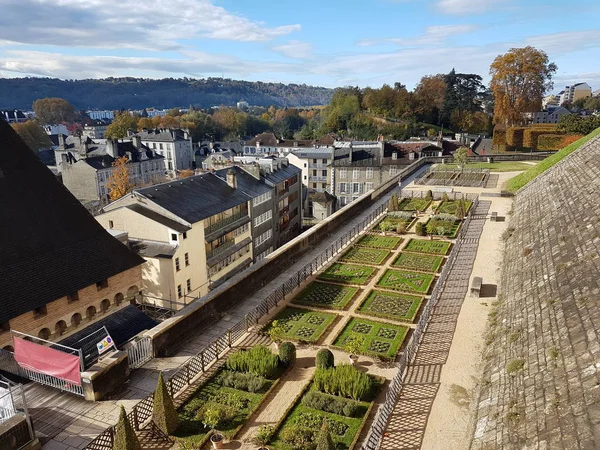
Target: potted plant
x,y
212,418
263,436
277,332
353,346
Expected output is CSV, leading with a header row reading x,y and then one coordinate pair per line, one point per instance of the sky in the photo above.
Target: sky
x,y
320,42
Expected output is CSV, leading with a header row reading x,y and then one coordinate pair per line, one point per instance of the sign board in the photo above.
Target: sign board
x,y
105,344
447,190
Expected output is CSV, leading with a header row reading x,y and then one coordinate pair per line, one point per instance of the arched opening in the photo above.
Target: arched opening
x,y
104,305
131,293
60,327
75,320
8,348
44,333
90,313
119,299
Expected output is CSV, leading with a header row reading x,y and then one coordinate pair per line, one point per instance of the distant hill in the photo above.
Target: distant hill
x,y
137,93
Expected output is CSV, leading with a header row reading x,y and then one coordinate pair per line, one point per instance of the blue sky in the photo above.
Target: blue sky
x,y
327,42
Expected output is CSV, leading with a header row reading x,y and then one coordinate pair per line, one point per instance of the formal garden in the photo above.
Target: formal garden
x,y
348,274
391,305
377,241
418,262
452,207
299,324
326,295
406,281
443,225
372,338
362,255
414,204
429,247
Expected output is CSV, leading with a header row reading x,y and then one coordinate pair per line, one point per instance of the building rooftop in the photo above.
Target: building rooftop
x,y
246,182
313,153
152,215
163,135
282,174
50,246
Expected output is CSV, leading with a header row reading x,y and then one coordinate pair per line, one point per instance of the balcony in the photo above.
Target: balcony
x,y
225,252
317,178
220,249
216,230
319,165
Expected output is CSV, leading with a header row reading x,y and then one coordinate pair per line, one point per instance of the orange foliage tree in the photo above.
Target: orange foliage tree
x,y
118,183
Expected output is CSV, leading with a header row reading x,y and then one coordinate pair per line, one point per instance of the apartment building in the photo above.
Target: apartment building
x,y
288,197
575,92
551,115
174,145
268,143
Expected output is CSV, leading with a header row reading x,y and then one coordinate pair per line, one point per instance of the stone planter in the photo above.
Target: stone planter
x,y
217,440
353,359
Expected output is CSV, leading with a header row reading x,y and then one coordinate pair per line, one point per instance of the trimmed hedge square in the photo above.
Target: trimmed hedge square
x,y
450,227
450,207
429,247
326,295
414,204
363,255
391,305
302,324
374,241
406,281
418,262
348,273
379,339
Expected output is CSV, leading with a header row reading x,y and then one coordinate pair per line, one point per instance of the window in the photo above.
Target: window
x,y
73,297
356,188
111,224
263,238
355,174
105,305
44,333
189,285
187,259
314,185
343,173
177,264
160,146
393,170
368,186
262,198
369,173
169,156
174,237
90,312
263,218
314,161
179,292
324,161
154,145
324,173
305,177
102,284
342,188
184,235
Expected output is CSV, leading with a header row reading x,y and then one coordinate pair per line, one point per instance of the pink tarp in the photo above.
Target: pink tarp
x,y
46,360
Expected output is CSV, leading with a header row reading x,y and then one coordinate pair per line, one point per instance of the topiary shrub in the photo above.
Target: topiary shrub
x,y
429,195
328,403
299,438
324,441
287,354
163,410
345,381
125,438
514,137
324,359
420,229
258,360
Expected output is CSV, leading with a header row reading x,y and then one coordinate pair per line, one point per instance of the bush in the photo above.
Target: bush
x,y
327,403
163,411
345,381
429,195
243,381
324,441
499,135
287,354
258,360
531,135
514,137
264,435
406,215
420,229
215,415
300,438
445,197
125,437
556,141
324,359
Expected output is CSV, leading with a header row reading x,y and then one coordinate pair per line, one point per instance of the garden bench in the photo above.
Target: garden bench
x,y
476,286
494,216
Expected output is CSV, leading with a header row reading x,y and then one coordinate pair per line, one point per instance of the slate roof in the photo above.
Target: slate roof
x,y
321,197
153,249
280,175
318,153
195,198
162,135
246,182
152,215
270,140
50,246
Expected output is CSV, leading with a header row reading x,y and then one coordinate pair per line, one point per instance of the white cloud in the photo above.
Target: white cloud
x,y
433,35
467,6
295,49
559,43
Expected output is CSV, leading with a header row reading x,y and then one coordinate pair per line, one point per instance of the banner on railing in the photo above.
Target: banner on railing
x,y
46,360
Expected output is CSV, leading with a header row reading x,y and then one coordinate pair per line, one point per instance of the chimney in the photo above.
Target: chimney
x,y
350,153
83,148
112,148
395,155
137,141
231,179
61,141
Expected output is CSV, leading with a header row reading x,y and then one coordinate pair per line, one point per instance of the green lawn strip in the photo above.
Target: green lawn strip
x,y
391,305
501,166
418,262
326,295
348,273
374,241
516,183
450,207
192,430
378,339
414,204
433,227
361,255
406,281
429,247
303,324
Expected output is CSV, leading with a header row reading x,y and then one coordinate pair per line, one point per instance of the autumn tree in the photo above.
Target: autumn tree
x,y
33,135
461,156
118,183
520,78
429,96
145,122
185,173
54,110
121,124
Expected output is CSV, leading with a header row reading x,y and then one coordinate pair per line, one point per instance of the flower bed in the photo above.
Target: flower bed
x,y
406,281
326,295
378,339
439,227
363,255
450,207
391,305
429,247
414,204
302,324
374,241
348,273
418,262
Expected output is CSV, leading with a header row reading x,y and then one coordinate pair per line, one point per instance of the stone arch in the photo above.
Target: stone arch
x,y
132,292
75,320
119,299
90,312
105,305
60,327
8,348
45,333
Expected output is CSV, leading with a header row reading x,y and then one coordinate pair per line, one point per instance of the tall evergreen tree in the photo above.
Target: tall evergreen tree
x,y
125,438
163,413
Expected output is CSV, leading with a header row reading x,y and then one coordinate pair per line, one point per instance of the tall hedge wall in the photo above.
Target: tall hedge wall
x,y
556,141
514,137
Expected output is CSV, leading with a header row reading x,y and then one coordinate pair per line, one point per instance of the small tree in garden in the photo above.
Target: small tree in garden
x,y
393,203
324,359
353,346
386,226
441,231
445,197
429,195
401,228
461,156
264,435
125,438
420,229
287,354
277,331
324,441
163,411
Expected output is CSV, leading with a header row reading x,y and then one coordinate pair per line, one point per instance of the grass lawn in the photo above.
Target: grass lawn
x,y
502,166
326,295
450,207
391,305
414,204
430,247
361,255
516,183
348,273
450,228
406,281
379,339
373,241
421,263
302,324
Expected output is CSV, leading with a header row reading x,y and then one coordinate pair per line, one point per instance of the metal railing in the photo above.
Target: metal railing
x,y
13,403
384,411
223,223
220,249
139,353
